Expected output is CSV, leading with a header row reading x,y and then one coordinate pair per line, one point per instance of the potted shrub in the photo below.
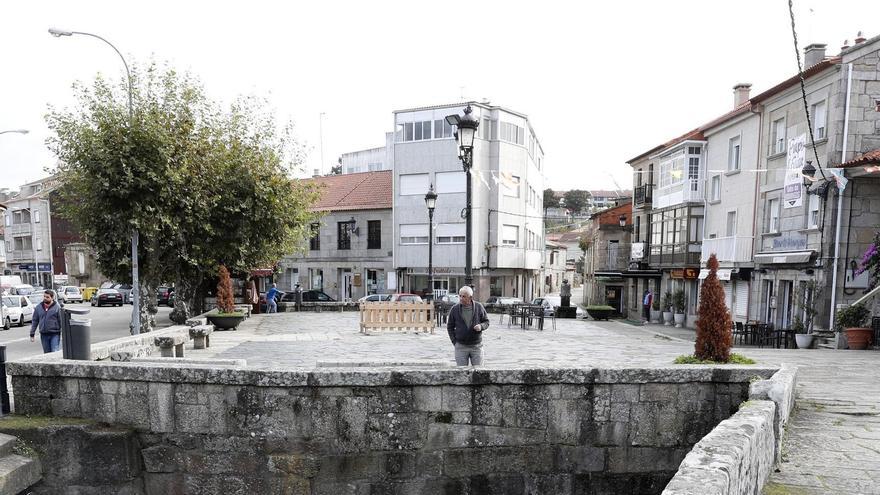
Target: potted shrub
x,y
804,340
679,303
600,312
667,308
226,317
656,315
852,320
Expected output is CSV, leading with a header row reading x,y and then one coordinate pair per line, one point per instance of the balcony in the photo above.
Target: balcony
x,y
642,195
688,191
610,258
18,256
18,229
727,249
674,255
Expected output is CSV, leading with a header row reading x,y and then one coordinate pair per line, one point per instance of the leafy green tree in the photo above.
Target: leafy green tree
x,y
550,199
203,185
576,200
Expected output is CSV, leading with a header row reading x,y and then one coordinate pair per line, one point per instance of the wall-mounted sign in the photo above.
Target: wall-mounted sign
x,y
792,196
357,280
438,270
685,273
638,251
793,242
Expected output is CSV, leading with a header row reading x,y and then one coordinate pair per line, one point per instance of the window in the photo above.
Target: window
x,y
637,229
39,243
374,234
672,169
414,184
733,154
510,235
486,129
8,219
343,234
417,131
694,167
512,133
36,216
817,112
21,216
510,185
442,129
315,240
731,223
773,216
373,167
716,188
779,136
450,233
813,211
23,243
414,233
450,182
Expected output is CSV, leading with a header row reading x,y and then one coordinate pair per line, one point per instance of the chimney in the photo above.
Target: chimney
x,y
859,38
317,173
741,94
845,45
813,54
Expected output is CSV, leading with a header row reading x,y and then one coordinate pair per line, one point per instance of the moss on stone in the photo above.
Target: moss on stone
x,y
16,422
780,489
734,359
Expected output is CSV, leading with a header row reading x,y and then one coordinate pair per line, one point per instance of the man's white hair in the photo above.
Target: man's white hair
x,y
466,291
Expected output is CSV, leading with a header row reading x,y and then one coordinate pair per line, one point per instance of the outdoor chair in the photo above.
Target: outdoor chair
x,y
740,333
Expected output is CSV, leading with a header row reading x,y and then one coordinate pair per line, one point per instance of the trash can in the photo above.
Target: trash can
x,y
76,335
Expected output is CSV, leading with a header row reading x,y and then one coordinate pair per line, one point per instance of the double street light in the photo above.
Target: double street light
x,y
430,202
15,131
135,282
466,130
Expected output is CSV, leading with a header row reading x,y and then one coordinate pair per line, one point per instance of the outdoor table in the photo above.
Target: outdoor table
x,y
532,311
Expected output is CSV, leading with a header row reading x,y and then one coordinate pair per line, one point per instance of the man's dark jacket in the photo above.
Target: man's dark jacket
x,y
48,320
462,332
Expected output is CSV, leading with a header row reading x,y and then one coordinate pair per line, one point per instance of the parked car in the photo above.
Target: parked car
x,y
21,289
316,296
19,310
107,296
70,294
163,295
375,298
125,290
404,297
498,304
15,312
448,301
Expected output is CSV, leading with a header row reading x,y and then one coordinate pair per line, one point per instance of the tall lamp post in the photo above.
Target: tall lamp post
x,y
466,129
135,281
430,202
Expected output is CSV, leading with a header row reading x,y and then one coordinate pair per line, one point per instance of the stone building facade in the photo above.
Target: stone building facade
x,y
350,252
607,258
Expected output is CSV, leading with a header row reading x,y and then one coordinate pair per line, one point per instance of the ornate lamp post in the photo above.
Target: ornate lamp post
x,y
430,202
466,129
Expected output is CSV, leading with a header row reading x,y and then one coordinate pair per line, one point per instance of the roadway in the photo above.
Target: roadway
x,y
108,322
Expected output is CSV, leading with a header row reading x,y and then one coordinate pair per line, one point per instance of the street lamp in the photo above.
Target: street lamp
x,y
430,202
135,281
15,131
809,174
466,129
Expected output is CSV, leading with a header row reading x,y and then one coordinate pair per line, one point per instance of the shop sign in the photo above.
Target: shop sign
x,y
356,281
794,242
438,270
685,273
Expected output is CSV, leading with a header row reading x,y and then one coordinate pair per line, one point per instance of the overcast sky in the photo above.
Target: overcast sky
x,y
600,81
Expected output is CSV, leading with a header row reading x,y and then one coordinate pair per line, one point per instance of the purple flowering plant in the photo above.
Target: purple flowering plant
x,y
871,261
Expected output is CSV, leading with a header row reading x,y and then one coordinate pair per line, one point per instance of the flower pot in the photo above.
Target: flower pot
x,y
804,340
679,320
858,338
656,316
227,321
667,318
600,314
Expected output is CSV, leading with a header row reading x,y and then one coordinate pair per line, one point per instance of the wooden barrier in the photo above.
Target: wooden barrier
x,y
397,316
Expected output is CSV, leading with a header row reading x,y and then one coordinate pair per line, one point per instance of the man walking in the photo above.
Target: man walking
x,y
465,324
271,305
47,317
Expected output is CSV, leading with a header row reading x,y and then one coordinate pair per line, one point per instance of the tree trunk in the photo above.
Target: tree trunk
x,y
189,299
149,308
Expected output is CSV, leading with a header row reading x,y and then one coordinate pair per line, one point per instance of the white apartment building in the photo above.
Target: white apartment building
x,y
507,202
369,160
28,235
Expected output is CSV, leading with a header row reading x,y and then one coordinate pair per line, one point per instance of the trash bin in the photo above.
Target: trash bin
x,y
76,336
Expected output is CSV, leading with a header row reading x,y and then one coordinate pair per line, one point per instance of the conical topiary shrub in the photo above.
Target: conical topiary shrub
x,y
714,325
225,299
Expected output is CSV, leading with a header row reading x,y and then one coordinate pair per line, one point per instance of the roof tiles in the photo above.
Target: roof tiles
x,y
361,191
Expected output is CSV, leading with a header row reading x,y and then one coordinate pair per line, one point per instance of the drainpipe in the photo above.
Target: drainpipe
x,y
756,109
840,209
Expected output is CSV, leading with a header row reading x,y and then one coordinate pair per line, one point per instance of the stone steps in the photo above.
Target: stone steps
x,y
17,473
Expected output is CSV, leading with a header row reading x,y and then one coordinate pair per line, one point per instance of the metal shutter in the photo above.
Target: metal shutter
x,y
742,299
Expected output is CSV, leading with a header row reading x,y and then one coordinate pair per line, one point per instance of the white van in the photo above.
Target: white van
x,y
7,282
22,290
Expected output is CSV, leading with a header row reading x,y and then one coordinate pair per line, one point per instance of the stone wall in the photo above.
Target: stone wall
x,y
736,458
204,429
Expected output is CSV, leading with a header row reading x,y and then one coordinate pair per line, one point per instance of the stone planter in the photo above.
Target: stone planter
x,y
858,338
679,320
667,318
656,316
804,340
226,322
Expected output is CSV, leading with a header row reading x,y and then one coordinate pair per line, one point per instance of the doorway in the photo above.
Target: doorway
x,y
345,286
613,296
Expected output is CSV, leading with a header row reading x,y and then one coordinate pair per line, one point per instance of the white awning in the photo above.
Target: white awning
x,y
722,273
783,257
